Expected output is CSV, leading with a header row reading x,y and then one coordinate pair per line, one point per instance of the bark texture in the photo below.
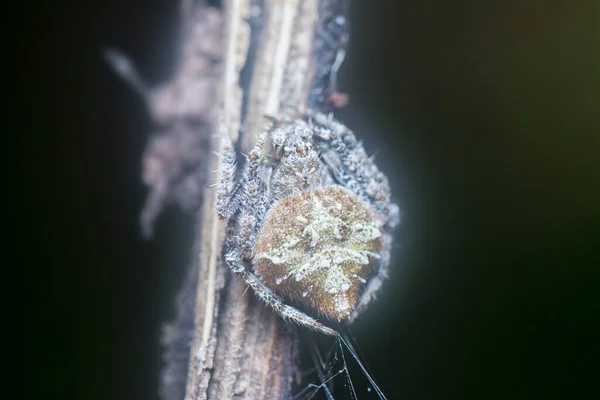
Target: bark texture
x,y
253,58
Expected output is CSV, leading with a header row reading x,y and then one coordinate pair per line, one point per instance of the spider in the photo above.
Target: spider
x,y
310,222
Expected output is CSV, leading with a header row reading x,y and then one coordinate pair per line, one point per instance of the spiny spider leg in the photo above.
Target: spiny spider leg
x,y
236,264
253,201
340,167
228,193
360,174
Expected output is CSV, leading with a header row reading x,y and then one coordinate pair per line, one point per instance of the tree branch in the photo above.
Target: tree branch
x,y
277,58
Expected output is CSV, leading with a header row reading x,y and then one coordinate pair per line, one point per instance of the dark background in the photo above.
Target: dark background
x,y
484,114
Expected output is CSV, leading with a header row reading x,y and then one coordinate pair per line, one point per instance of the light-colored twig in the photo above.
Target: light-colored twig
x,y
225,343
241,349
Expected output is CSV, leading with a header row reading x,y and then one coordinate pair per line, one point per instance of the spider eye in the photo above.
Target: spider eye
x,y
303,149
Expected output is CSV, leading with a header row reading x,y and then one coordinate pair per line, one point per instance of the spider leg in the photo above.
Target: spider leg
x,y
355,169
228,193
231,196
254,199
236,264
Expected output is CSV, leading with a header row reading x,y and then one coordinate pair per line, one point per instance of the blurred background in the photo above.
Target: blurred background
x,y
484,114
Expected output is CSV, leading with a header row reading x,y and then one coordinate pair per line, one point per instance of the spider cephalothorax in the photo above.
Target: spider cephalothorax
x,y
311,220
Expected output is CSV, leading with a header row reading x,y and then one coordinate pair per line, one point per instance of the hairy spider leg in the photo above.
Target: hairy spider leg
x,y
228,192
253,201
339,166
360,174
235,262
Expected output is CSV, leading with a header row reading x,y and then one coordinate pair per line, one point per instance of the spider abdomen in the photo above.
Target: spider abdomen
x,y
319,248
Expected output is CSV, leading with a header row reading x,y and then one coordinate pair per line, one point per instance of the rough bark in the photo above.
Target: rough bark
x,y
254,58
